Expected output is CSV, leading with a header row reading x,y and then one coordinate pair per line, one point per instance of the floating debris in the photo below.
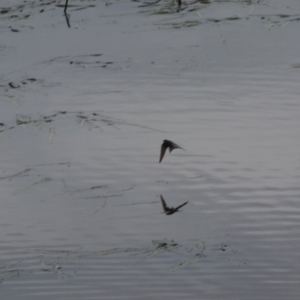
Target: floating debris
x,y
52,131
13,85
46,179
110,252
15,175
162,246
8,272
55,268
89,189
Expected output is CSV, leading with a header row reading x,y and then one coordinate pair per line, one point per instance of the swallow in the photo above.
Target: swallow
x,y
165,145
170,210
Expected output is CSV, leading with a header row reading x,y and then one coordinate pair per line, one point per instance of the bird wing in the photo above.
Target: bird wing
x,y
174,146
162,152
181,205
163,202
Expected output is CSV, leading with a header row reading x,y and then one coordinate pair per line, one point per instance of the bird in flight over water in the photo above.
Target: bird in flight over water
x,y
170,210
165,145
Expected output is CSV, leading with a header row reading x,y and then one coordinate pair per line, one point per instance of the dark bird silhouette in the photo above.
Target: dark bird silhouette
x,y
170,210
165,145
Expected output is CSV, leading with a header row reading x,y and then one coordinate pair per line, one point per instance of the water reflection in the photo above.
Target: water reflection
x,y
170,210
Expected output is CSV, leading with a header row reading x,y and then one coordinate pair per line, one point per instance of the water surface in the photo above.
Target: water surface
x,y
84,111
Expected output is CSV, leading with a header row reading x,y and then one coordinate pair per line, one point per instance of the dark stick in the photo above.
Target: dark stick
x,y
179,5
66,15
67,19
66,5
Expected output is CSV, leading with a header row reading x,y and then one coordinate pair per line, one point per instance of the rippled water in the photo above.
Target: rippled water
x,y
84,111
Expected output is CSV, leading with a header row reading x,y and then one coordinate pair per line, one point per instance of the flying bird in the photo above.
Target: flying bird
x,y
170,210
165,145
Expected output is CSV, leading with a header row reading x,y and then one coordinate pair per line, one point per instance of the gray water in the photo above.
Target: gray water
x,y
84,111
